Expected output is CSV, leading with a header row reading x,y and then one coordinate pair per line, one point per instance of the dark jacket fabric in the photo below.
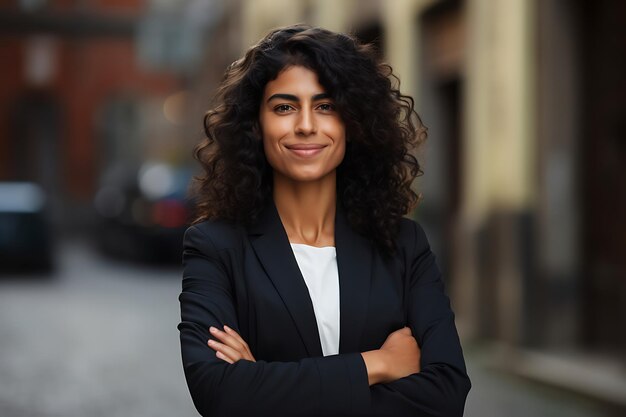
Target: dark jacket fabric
x,y
248,279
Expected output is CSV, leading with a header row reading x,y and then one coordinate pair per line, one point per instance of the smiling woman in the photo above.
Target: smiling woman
x,y
305,291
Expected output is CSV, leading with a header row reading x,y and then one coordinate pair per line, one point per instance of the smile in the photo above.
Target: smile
x,y
305,150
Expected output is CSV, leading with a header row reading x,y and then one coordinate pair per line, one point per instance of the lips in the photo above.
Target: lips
x,y
305,149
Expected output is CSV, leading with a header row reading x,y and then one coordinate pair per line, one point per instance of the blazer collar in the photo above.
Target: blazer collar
x,y
354,257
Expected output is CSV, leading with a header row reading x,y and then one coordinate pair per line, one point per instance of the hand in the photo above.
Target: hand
x,y
398,357
403,354
231,347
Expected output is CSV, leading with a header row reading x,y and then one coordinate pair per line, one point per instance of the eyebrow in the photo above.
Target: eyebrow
x,y
291,97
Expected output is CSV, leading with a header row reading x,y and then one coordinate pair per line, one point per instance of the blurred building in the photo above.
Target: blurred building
x,y
85,87
524,191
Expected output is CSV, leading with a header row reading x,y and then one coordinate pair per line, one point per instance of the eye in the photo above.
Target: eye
x,y
326,107
283,108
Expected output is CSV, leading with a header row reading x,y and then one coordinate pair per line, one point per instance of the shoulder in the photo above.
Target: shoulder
x,y
411,237
216,235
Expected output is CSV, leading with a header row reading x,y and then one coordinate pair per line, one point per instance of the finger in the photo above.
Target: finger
x,y
224,357
226,350
236,335
236,342
227,339
242,351
246,349
405,330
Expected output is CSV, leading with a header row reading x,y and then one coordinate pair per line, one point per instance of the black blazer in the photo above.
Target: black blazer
x,y
248,278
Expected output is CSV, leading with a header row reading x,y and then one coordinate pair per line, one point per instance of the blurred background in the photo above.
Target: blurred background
x,y
524,191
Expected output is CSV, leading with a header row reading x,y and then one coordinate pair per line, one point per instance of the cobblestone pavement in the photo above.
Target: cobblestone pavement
x,y
98,338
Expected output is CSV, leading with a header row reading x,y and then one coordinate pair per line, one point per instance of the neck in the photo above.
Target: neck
x,y
307,209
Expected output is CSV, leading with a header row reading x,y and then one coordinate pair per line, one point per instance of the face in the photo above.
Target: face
x,y
303,135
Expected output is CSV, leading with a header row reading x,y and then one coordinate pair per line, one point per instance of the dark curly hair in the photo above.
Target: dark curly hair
x,y
373,180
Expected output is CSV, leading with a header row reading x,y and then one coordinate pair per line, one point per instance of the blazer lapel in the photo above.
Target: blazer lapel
x,y
354,262
274,251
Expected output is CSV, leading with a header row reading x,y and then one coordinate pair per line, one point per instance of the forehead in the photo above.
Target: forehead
x,y
296,80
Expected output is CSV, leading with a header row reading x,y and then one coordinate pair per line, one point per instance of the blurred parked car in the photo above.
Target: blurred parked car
x,y
143,212
25,233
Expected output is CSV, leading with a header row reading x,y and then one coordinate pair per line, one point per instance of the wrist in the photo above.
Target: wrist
x,y
375,362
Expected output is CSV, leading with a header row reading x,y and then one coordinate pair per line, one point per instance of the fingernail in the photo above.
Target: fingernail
x,y
227,328
213,329
211,341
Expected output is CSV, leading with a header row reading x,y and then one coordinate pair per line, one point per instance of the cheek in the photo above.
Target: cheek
x,y
273,129
338,132
336,128
271,154
271,147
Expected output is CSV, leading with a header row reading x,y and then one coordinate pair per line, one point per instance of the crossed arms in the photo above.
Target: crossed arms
x,y
385,381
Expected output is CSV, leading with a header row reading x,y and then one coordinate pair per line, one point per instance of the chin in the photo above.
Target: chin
x,y
306,176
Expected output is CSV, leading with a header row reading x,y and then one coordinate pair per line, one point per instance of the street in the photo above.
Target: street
x,y
98,338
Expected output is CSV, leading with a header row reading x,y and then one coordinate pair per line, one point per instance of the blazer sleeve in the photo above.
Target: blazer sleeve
x,y
442,385
332,385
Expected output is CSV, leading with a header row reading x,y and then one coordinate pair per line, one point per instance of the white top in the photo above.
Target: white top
x,y
319,269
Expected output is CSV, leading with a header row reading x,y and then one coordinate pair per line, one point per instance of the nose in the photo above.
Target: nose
x,y
305,124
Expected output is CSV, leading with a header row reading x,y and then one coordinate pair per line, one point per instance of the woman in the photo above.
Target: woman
x,y
305,291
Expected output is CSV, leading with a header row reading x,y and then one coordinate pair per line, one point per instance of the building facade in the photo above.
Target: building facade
x,y
74,97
